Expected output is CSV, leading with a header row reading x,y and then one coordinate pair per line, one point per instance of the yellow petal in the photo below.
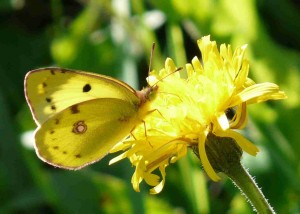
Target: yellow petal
x,y
189,69
135,180
240,118
259,93
245,144
204,160
118,158
242,75
158,188
197,65
169,66
223,121
151,179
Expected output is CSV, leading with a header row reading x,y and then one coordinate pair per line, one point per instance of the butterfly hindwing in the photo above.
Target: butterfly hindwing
x,y
85,132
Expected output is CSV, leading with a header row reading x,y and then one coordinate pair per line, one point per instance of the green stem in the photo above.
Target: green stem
x,y
240,176
224,156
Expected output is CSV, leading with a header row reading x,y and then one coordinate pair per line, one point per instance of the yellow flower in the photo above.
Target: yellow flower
x,y
188,109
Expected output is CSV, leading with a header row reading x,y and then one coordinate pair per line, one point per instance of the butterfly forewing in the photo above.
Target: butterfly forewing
x,y
51,90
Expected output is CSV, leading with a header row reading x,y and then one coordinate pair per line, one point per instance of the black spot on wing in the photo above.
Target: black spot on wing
x,y
53,107
78,156
86,88
48,99
74,109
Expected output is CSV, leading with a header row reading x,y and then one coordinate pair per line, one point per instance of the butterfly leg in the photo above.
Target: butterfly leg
x,y
131,132
145,129
153,110
132,135
146,133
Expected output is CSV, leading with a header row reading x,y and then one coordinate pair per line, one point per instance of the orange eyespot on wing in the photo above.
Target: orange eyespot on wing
x,y
79,127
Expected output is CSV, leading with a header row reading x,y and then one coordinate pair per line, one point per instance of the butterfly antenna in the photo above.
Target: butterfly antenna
x,y
151,57
176,70
150,65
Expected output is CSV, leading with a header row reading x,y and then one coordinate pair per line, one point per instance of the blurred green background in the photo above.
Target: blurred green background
x,y
115,38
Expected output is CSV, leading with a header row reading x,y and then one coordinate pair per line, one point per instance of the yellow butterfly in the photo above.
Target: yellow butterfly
x,y
80,115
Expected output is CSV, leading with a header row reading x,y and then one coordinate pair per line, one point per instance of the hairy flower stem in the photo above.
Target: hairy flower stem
x,y
249,188
224,155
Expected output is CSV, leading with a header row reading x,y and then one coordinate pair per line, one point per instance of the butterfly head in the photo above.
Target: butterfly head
x,y
147,94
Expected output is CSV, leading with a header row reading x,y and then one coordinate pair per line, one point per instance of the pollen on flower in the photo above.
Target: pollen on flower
x,y
191,108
